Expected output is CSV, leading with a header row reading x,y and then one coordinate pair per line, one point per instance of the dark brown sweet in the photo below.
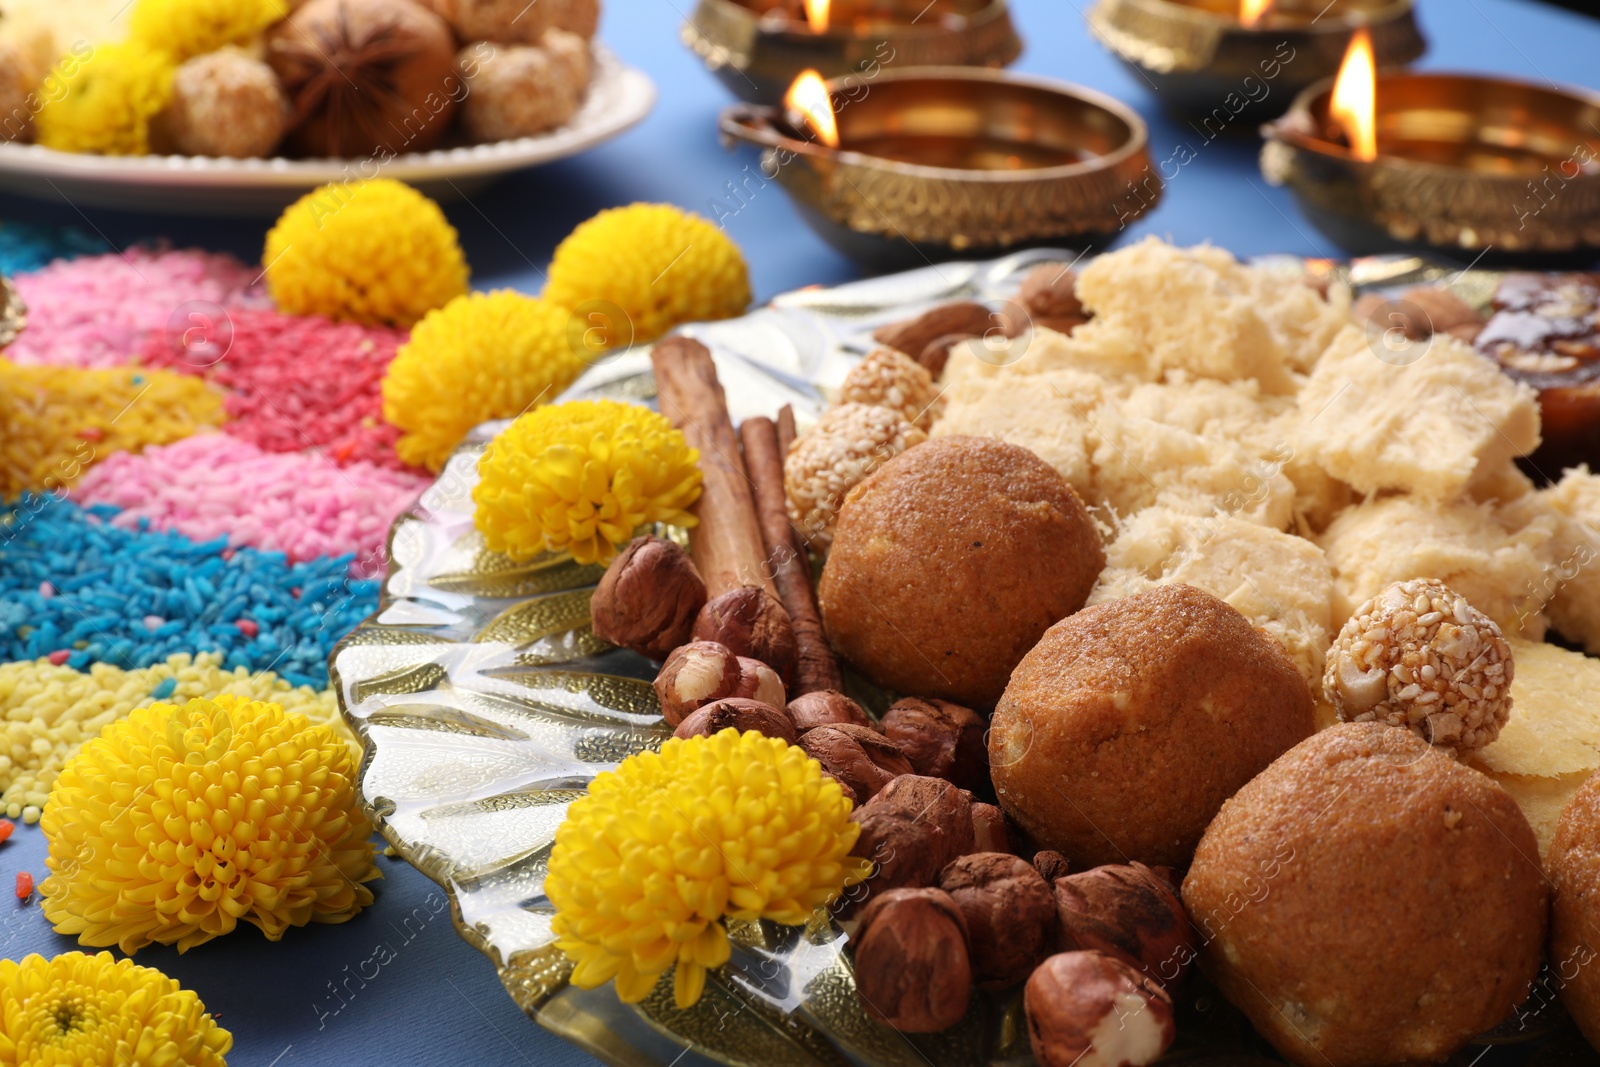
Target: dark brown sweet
x,y
1573,867
950,561
365,77
1124,730
1546,332
1367,899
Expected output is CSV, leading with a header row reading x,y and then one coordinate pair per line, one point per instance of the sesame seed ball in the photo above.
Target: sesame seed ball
x,y
1418,655
848,443
225,103
893,380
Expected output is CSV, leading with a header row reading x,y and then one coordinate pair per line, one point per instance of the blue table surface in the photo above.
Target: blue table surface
x,y
319,996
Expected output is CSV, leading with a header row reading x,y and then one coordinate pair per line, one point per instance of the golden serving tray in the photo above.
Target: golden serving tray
x,y
486,705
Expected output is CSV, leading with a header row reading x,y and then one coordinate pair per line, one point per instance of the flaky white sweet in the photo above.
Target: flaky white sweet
x,y
1425,427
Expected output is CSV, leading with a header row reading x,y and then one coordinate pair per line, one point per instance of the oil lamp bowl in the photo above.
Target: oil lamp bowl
x,y
757,55
1202,61
942,162
1466,165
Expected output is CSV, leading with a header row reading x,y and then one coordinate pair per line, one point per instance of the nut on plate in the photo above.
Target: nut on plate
x,y
942,740
911,830
224,103
891,379
1051,290
648,598
1088,1009
912,968
848,443
1051,865
741,714
517,90
858,756
1130,912
989,833
1419,656
754,625
1009,911
826,707
695,675
912,336
758,681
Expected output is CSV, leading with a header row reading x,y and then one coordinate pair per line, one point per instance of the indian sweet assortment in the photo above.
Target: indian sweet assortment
x,y
1178,614
363,80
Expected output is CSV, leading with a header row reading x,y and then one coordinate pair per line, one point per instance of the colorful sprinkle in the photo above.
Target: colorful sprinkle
x,y
214,485
109,579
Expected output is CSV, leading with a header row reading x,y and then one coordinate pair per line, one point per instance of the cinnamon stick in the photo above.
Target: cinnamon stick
x,y
786,430
726,544
818,669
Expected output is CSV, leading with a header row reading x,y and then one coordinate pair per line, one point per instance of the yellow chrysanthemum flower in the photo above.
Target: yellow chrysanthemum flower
x,y
583,477
81,1009
179,821
377,252
188,28
482,356
646,867
104,103
659,264
78,1009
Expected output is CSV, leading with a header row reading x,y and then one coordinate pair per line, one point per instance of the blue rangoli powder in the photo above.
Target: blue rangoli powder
x,y
132,598
26,246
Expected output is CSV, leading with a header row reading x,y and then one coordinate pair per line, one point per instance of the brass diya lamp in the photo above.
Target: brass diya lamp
x,y
1226,59
1467,165
758,47
936,162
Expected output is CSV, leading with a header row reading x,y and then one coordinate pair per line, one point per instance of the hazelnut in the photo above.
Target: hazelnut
x,y
760,682
1051,289
989,832
741,714
826,707
1050,865
1130,912
648,598
942,740
695,675
753,624
857,756
1088,1009
911,830
912,969
936,353
1010,914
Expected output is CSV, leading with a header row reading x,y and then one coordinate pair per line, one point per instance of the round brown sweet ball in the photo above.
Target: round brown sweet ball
x,y
1128,725
1573,867
225,103
950,561
1367,899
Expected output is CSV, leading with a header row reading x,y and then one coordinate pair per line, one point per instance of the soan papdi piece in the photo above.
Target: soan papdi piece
x,y
1130,723
949,563
519,91
1419,656
224,103
1367,899
848,443
893,380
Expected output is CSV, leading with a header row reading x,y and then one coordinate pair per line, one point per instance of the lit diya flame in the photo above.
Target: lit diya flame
x,y
817,15
1355,96
809,97
1251,11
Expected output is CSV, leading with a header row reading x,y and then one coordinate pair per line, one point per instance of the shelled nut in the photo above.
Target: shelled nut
x,y
942,740
1088,1009
741,714
911,830
1010,914
753,624
757,681
826,707
912,968
1130,912
695,675
648,598
989,833
858,756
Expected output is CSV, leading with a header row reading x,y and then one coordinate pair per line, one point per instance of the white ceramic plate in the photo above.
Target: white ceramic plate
x,y
619,97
